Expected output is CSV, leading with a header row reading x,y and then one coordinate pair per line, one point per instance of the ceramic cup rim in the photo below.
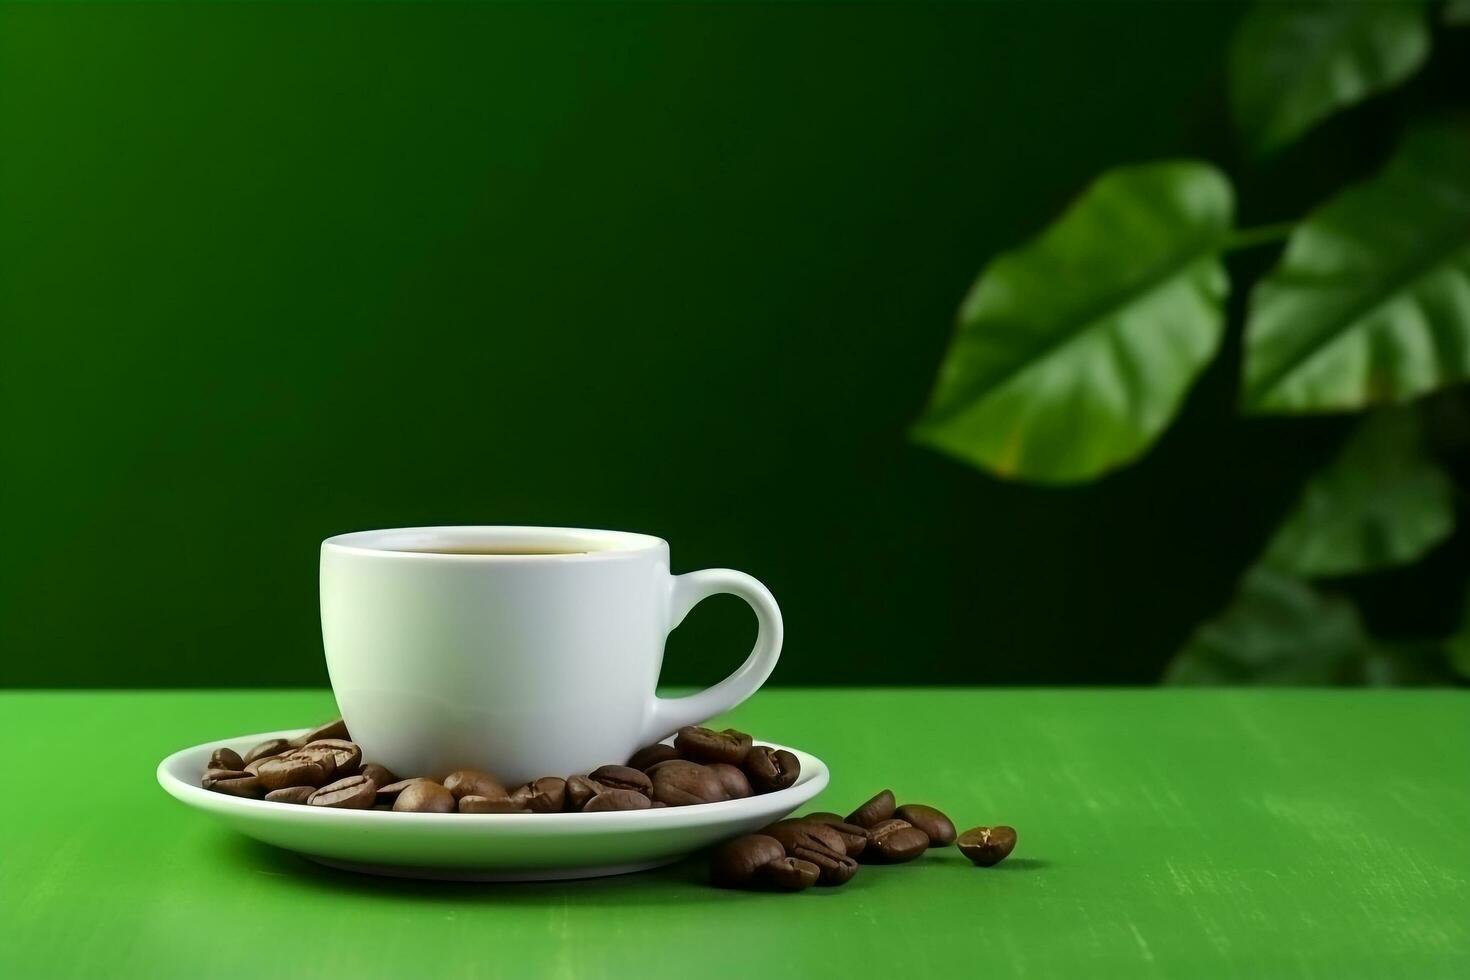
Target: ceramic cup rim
x,y
418,543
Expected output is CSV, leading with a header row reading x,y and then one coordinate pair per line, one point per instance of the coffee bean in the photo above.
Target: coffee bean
x,y
935,825
681,783
622,777
987,846
345,758
378,774
291,794
271,746
235,782
855,837
424,797
894,841
703,745
352,793
336,729
485,804
657,805
282,771
734,863
817,843
544,795
387,794
580,789
737,787
878,809
651,755
617,799
226,759
473,782
771,769
788,874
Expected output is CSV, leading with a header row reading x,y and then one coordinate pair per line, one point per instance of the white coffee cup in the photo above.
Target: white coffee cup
x,y
522,651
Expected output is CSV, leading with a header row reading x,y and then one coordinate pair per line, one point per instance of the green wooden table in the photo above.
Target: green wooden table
x,y
1162,834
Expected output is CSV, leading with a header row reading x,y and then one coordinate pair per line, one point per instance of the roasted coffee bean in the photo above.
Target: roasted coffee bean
x,y
484,804
617,799
235,782
271,746
352,793
855,837
894,841
580,789
387,794
378,774
227,759
292,769
817,843
734,863
473,782
657,805
935,825
703,745
345,758
544,795
291,794
771,769
876,810
987,846
336,729
788,874
737,787
622,777
424,797
681,783
651,755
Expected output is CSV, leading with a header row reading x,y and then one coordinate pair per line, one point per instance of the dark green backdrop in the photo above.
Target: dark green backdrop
x,y
270,272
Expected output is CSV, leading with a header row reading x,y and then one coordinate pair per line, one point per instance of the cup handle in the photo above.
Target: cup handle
x,y
668,715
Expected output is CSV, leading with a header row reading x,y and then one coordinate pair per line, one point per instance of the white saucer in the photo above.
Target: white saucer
x,y
483,846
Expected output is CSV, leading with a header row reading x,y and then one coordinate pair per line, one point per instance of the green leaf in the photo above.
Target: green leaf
x,y
1370,302
1457,13
1292,64
1381,502
1074,351
1278,630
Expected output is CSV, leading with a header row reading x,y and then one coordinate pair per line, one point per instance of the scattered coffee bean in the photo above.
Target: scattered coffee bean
x,y
987,846
817,843
622,777
771,769
352,793
233,782
387,794
473,782
226,759
485,804
735,862
935,825
272,746
345,758
788,874
894,841
617,799
737,787
335,729
703,745
291,794
283,771
378,774
681,783
876,810
651,755
855,837
544,795
424,797
580,789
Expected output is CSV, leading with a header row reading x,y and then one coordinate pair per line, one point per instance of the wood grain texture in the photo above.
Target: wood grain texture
x,y
1163,833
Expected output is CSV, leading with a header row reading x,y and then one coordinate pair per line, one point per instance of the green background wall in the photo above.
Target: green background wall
x,y
270,272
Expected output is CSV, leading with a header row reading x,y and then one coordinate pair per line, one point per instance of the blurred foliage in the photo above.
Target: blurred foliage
x,y
1073,353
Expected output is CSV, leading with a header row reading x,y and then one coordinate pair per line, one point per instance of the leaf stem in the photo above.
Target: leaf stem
x,y
1244,238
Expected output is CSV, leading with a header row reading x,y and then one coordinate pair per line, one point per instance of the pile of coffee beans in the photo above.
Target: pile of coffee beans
x,y
324,767
827,849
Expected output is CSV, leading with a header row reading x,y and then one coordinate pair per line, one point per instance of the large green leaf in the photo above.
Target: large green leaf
x,y
1457,13
1381,502
1292,64
1371,300
1074,351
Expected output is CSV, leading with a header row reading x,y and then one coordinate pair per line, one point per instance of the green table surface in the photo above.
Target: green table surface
x,y
1163,833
